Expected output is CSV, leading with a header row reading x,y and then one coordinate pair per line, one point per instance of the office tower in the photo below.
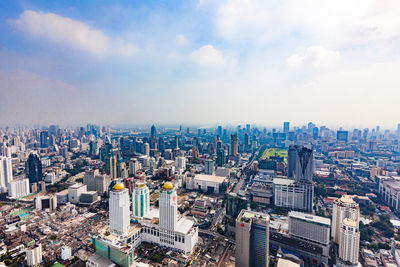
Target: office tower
x,y
286,127
44,136
146,149
220,131
34,255
133,166
153,134
300,163
111,165
292,154
96,181
176,142
220,157
34,168
140,200
234,145
161,144
246,142
180,163
315,132
119,209
6,174
342,136
309,227
349,241
343,208
252,239
248,128
168,204
18,188
209,167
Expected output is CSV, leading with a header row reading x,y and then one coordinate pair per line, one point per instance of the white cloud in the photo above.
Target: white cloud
x,y
314,56
62,30
324,21
128,50
207,55
181,40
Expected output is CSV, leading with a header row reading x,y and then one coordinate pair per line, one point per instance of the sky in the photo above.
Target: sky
x,y
201,62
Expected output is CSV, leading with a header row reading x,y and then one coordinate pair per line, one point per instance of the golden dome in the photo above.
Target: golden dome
x,y
168,185
119,186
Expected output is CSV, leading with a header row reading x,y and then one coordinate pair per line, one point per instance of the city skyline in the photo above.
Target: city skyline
x,y
198,62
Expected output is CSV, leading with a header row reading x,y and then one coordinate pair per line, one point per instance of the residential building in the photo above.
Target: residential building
x,y
18,188
6,174
349,242
34,255
140,200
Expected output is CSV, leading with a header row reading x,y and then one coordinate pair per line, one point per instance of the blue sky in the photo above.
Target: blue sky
x,y
200,62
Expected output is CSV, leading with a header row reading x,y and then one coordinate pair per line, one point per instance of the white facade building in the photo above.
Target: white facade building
x,y
349,241
18,188
206,182
119,209
66,253
344,207
34,256
75,191
6,174
180,163
309,227
140,200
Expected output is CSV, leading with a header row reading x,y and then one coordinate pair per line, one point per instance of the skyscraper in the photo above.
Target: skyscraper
x,y
140,200
342,136
209,167
220,131
345,207
300,163
168,204
220,157
252,239
34,168
153,133
349,241
44,136
286,127
234,145
119,209
6,174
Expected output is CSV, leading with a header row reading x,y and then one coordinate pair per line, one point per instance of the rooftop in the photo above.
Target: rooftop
x,y
349,222
210,178
309,217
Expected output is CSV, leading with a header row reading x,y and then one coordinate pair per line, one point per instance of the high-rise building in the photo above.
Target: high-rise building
x,y
220,157
119,209
111,165
18,188
252,239
349,242
234,145
342,136
220,131
293,195
168,204
180,163
44,139
309,227
46,202
34,168
6,174
300,163
344,207
34,255
286,127
209,167
140,200
153,134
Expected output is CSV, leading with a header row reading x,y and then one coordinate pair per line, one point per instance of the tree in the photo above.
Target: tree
x,y
157,258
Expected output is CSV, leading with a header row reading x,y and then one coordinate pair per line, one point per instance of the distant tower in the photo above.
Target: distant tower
x,y
286,127
140,200
234,145
119,209
34,168
153,134
44,136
